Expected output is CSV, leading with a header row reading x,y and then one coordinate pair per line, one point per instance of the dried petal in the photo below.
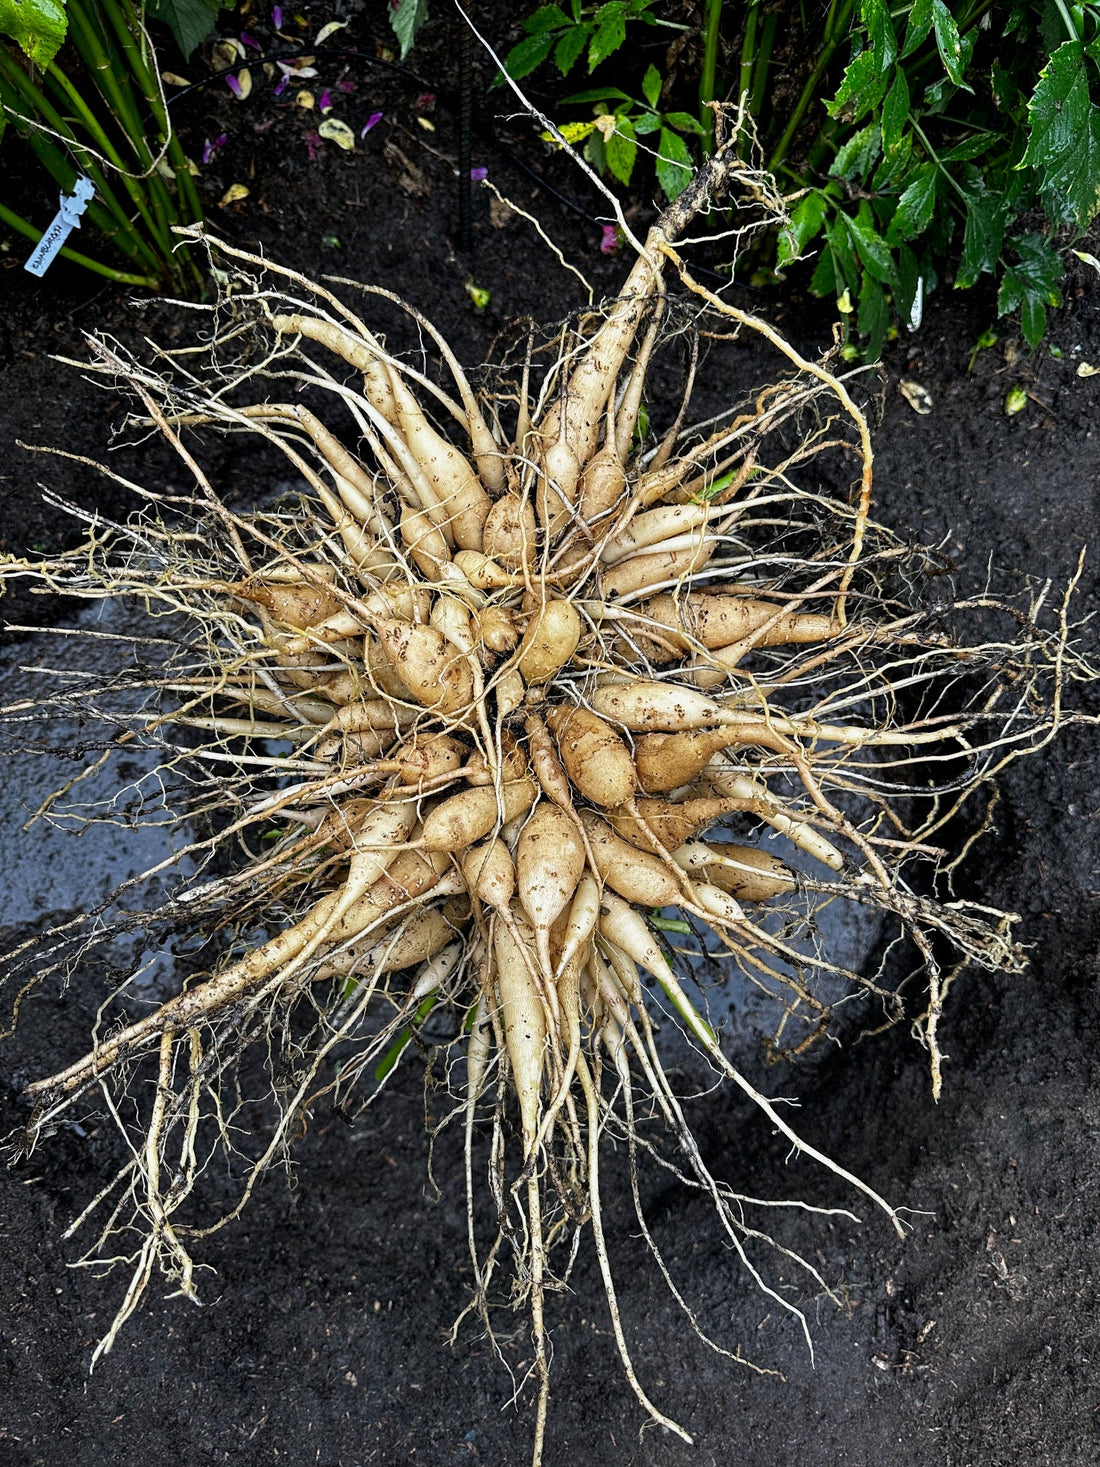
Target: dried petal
x,y
609,243
338,132
304,99
172,79
1086,369
918,397
329,30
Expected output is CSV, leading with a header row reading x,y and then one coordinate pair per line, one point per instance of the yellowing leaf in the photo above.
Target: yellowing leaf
x,y
478,294
338,132
233,195
304,98
1015,401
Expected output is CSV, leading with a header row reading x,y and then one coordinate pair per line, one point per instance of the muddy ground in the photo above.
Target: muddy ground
x,y
972,1344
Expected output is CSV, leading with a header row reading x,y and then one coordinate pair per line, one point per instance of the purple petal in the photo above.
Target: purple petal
x,y
609,244
479,174
324,101
247,40
234,85
374,118
345,85
210,148
314,144
277,17
282,84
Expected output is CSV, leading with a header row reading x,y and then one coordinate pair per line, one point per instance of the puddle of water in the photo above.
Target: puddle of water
x,y
110,825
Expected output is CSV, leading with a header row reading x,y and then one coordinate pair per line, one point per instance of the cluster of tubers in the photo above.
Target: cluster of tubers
x,y
538,685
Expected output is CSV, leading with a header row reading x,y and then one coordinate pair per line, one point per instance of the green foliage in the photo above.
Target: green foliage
x,y
612,145
102,114
37,26
190,21
945,137
406,18
927,135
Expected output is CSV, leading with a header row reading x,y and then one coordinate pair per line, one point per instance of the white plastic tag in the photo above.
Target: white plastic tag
x,y
65,221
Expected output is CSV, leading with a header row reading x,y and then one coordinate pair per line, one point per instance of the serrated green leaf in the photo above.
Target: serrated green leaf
x,y
674,166
524,57
895,170
597,94
920,23
568,50
915,206
971,147
610,34
406,18
190,21
824,282
874,253
873,320
1031,285
1016,295
862,88
36,26
651,86
545,18
859,154
875,15
684,121
982,236
845,265
895,112
1006,94
621,149
806,222
1074,179
948,42
1059,108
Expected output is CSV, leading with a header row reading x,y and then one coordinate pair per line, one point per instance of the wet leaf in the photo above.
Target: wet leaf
x,y
917,396
338,132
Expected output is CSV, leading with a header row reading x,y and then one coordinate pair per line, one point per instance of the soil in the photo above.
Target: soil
x,y
974,1343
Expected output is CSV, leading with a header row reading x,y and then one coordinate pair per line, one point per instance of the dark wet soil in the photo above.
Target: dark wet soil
x,y
976,1342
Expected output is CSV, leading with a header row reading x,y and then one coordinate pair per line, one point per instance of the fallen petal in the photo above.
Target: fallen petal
x,y
172,79
338,132
918,397
233,195
277,17
324,101
304,99
479,175
247,40
609,242
328,30
371,121
345,84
